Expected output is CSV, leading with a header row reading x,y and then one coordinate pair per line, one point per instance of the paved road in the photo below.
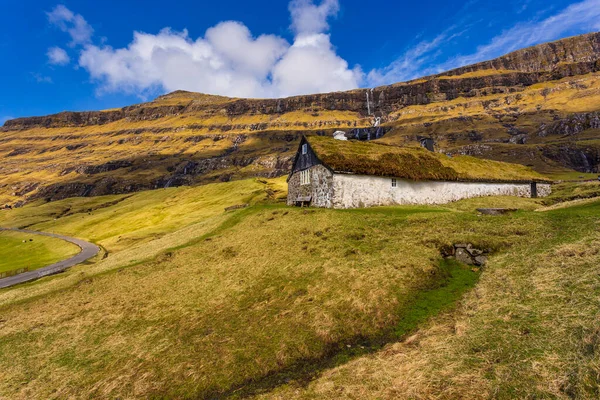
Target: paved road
x,y
88,250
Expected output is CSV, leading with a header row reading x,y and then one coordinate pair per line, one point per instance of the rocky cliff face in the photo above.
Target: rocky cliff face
x,y
534,106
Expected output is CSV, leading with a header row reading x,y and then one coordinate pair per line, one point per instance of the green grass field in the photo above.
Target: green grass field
x,y
268,301
529,329
19,250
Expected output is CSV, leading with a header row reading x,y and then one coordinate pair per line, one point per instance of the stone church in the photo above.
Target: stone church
x,y
333,173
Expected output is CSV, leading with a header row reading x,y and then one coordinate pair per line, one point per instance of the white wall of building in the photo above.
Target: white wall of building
x,y
352,191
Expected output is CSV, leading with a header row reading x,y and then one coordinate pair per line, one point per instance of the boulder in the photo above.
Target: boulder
x,y
467,254
463,256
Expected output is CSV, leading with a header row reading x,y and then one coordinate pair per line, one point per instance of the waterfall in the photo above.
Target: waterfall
x,y
368,104
169,183
586,163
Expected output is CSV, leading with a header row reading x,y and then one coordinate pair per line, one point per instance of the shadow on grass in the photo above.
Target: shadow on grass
x,y
454,281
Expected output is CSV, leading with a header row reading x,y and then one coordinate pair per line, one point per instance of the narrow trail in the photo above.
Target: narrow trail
x,y
88,250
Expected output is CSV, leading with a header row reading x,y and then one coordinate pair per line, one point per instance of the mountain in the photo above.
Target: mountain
x,y
538,106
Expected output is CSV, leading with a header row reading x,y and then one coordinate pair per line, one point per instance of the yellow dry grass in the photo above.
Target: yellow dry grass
x,y
133,228
478,74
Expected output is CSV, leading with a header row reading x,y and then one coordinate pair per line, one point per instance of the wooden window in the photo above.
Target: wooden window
x,y
305,177
304,149
394,182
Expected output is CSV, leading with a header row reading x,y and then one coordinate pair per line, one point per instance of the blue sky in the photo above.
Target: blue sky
x,y
87,55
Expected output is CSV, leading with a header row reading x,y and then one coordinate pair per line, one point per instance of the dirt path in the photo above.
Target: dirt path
x,y
88,250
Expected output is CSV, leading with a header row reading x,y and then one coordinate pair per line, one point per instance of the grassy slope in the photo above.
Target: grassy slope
x,y
120,221
568,191
529,330
133,229
193,321
17,251
226,300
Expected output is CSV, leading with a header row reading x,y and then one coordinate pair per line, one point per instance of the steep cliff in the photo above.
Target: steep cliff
x,y
537,106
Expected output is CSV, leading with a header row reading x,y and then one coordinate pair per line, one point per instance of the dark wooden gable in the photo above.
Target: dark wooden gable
x,y
304,161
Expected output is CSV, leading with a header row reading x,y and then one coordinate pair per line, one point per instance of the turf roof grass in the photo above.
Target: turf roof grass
x,y
369,158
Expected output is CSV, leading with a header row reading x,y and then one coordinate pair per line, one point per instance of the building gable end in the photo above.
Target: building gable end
x,y
305,159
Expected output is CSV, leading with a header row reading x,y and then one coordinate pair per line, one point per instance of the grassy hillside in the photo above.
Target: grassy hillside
x,y
186,138
120,221
528,330
19,250
273,301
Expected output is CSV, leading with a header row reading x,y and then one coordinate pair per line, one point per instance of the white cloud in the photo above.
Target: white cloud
x,y
234,42
309,18
58,56
74,24
312,66
227,60
172,60
424,58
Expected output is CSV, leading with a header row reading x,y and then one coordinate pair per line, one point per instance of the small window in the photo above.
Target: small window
x,y
304,149
305,177
394,183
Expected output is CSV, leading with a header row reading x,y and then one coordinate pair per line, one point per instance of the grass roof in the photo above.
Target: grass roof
x,y
369,158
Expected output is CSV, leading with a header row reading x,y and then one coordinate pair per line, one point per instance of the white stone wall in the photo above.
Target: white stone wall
x,y
352,191
543,189
320,188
